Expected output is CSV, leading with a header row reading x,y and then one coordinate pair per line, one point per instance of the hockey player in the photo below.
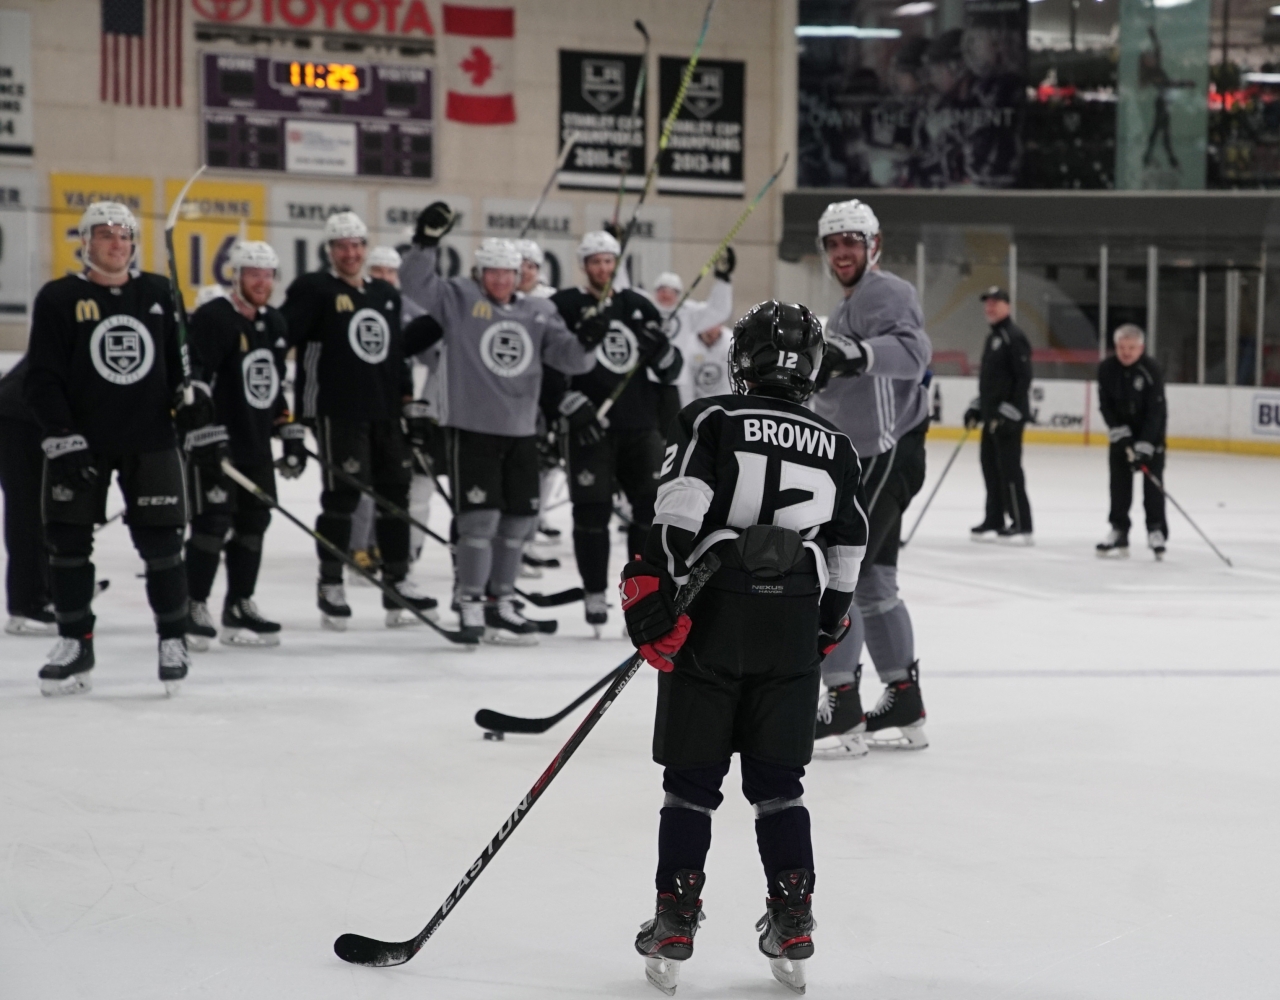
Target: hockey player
x,y
1131,397
105,371
873,372
531,261
628,450
352,381
683,326
238,344
383,263
707,362
496,342
773,491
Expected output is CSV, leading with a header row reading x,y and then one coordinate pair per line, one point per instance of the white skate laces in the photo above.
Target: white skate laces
x,y
64,652
827,706
334,593
200,614
173,653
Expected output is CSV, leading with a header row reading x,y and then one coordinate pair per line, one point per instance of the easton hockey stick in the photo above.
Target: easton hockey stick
x,y
360,950
936,486
264,497
496,722
184,353
636,97
1160,486
570,141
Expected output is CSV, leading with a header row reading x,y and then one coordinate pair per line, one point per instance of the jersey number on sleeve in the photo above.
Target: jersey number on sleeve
x,y
748,494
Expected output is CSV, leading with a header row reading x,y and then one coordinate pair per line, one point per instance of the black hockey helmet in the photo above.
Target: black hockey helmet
x,y
779,345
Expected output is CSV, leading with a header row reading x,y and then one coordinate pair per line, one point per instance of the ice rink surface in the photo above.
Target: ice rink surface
x,y
1097,816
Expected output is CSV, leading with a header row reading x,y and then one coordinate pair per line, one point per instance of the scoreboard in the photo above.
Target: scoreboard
x,y
316,116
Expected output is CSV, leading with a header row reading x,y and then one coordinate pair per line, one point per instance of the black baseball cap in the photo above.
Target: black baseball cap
x,y
994,292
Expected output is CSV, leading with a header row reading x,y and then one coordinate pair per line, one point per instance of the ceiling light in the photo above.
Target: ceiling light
x,y
1262,78
915,9
844,31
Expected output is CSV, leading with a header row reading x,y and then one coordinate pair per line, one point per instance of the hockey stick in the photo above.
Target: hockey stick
x,y
936,486
496,722
570,141
188,394
620,388
114,517
636,97
360,950
1160,486
396,511
264,497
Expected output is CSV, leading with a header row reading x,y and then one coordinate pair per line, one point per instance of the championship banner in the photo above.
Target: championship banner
x,y
552,228
398,210
209,223
704,155
16,98
71,194
297,218
596,94
17,242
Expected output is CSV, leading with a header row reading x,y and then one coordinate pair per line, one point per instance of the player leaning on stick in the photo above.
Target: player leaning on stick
x,y
873,373
105,375
352,382
238,344
774,491
496,342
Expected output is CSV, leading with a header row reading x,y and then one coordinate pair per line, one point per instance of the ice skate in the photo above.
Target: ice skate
x,y
897,721
174,664
787,926
1012,536
471,617
505,626
840,725
331,599
200,629
550,535
666,941
398,617
985,532
242,625
68,666
39,623
1156,542
597,609
1115,545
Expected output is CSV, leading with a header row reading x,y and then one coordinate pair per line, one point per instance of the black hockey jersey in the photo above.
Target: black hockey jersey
x,y
350,349
1004,381
104,362
735,461
634,321
1132,399
242,360
13,405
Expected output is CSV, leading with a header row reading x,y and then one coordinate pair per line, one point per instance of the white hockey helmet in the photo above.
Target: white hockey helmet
x,y
252,253
496,252
208,293
383,256
345,226
852,216
597,241
107,213
529,250
669,279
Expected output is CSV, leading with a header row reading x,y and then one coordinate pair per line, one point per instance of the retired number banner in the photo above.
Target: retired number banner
x,y
704,156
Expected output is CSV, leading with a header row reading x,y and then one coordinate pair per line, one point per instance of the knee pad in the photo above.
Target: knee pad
x,y
591,516
251,522
157,543
771,788
696,788
877,590
477,527
397,493
516,529
250,543
206,543
211,525
68,541
340,502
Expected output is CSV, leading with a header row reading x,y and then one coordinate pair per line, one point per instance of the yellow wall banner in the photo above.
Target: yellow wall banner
x,y
71,194
209,223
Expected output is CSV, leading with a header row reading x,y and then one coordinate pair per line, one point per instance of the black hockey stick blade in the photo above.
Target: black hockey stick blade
x,y
553,600
496,722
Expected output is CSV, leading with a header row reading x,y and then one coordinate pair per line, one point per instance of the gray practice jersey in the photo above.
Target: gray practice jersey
x,y
889,399
490,367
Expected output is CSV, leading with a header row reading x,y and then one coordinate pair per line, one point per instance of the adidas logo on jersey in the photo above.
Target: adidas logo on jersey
x,y
787,435
156,310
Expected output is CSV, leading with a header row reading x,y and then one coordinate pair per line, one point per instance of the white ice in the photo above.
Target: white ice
x,y
1097,815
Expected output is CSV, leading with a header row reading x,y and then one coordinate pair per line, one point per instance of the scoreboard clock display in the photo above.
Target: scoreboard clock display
x,y
329,117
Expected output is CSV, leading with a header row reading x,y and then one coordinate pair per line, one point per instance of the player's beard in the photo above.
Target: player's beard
x,y
857,276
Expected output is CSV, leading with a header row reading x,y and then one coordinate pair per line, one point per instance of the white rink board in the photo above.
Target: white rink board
x,y
1095,818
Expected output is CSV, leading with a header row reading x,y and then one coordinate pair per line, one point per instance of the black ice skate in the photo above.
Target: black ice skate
x,y
67,670
242,625
471,618
786,929
174,664
667,939
1012,536
397,617
841,723
551,534
1156,540
985,532
1114,546
505,626
901,707
40,622
597,608
331,599
200,629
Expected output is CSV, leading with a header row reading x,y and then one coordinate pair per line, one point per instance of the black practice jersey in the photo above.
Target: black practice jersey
x,y
350,350
13,406
1132,399
633,322
242,360
1005,376
105,362
735,461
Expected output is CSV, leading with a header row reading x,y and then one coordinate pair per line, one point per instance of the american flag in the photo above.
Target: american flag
x,y
141,52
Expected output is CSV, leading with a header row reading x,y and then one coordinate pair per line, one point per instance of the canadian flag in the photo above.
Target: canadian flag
x,y
479,42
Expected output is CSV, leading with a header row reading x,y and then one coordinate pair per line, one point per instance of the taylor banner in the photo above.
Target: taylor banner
x,y
704,155
596,92
1163,114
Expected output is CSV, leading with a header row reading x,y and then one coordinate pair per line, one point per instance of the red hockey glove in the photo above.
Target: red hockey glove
x,y
661,653
647,593
829,640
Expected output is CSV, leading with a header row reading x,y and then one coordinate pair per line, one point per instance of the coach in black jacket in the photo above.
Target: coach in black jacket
x,y
1002,408
1131,397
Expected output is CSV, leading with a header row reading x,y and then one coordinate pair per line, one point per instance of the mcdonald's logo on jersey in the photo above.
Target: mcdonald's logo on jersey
x,y
482,310
244,344
343,304
87,311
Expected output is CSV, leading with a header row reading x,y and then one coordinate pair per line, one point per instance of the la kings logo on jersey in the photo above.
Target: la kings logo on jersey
x,y
122,350
506,348
261,380
370,336
618,350
709,374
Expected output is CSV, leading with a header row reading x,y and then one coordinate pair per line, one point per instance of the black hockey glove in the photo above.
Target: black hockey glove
x,y
845,357
419,428
593,325
433,222
614,230
293,437
207,447
725,265
972,418
829,639
198,413
70,463
648,604
584,425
